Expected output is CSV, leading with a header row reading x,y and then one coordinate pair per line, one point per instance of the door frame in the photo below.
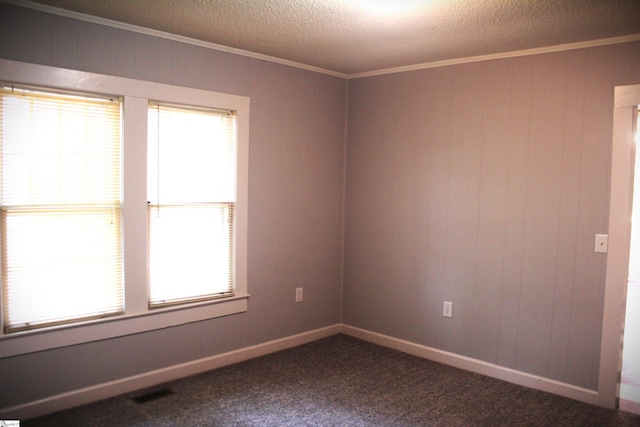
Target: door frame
x,y
626,101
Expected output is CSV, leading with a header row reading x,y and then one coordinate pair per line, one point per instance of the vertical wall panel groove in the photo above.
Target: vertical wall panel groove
x,y
565,265
519,137
591,217
496,111
543,201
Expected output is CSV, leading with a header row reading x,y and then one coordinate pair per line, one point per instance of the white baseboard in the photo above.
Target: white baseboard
x,y
113,388
105,390
477,366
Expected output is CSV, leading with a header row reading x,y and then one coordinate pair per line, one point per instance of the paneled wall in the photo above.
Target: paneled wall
x,y
484,184
295,198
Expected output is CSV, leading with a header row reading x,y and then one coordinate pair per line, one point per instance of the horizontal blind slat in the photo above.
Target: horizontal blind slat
x,y
190,252
191,189
61,208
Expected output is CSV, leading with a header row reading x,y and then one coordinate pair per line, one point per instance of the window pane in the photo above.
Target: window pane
x,y
58,150
191,192
61,210
190,252
191,156
62,264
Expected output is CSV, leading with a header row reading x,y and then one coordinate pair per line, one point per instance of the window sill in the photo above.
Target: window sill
x,y
159,318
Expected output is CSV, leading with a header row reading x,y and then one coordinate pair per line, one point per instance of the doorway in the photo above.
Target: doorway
x,y
630,375
625,116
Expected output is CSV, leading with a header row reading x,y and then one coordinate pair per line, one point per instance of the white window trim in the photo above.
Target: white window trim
x,y
137,318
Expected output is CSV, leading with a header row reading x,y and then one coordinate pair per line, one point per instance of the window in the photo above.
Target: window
x,y
191,196
61,208
88,193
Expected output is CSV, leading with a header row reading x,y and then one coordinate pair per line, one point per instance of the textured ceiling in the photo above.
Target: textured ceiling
x,y
360,36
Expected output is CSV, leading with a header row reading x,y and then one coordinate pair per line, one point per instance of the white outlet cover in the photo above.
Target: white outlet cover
x,y
447,309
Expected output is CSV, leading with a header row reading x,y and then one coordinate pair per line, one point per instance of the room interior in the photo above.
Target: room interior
x,y
471,159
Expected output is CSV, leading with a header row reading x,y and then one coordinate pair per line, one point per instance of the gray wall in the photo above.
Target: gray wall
x,y
485,184
295,197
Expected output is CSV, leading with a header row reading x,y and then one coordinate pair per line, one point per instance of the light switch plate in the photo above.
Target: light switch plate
x,y
602,243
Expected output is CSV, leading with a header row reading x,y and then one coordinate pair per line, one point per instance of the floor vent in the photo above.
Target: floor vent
x,y
156,394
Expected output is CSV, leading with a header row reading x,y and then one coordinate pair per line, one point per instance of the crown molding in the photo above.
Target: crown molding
x,y
246,53
169,36
503,55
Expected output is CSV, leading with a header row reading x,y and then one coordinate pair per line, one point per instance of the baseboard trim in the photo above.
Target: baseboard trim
x,y
474,365
148,379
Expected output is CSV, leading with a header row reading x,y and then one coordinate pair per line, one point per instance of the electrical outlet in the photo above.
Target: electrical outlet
x,y
298,294
447,309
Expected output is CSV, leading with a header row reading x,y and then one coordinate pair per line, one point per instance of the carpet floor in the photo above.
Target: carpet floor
x,y
338,381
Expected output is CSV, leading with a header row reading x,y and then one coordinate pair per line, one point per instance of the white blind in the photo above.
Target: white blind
x,y
61,208
191,193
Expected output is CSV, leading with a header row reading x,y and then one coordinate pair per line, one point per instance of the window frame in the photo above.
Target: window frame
x,y
138,317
